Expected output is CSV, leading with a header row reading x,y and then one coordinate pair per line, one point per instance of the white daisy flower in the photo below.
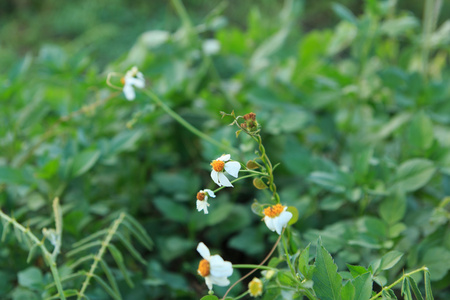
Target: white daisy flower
x,y
276,217
202,199
133,78
221,164
213,268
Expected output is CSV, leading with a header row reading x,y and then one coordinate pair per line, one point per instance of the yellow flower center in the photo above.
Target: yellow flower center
x,y
203,268
218,165
122,80
274,210
201,196
255,287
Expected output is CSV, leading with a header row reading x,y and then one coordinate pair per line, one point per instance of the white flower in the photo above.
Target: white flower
x,y
211,46
132,78
213,268
218,166
276,217
202,199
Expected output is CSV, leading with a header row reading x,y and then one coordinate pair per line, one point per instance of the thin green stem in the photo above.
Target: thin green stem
x,y
252,271
98,257
47,255
249,266
233,181
424,268
242,295
186,124
288,259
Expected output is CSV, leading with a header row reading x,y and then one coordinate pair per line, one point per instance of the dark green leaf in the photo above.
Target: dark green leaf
x,y
120,263
327,281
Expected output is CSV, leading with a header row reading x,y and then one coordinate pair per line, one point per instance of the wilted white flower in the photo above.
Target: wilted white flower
x,y
221,164
202,199
213,268
133,78
276,217
255,287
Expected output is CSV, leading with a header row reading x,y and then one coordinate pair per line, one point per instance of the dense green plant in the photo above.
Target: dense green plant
x,y
355,126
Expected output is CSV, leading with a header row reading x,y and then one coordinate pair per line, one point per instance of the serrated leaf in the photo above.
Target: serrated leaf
x,y
83,161
390,259
356,270
303,262
363,286
119,261
327,281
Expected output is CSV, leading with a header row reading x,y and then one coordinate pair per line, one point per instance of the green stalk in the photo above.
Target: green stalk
x,y
248,266
100,253
47,255
398,281
184,123
233,181
287,254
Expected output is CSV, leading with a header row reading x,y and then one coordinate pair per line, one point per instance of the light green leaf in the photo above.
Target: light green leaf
x,y
303,262
348,291
390,259
415,288
31,278
336,182
406,290
393,208
434,259
327,281
293,210
420,132
209,297
363,286
428,290
83,161
413,174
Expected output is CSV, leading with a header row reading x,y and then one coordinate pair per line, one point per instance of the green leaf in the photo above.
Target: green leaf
x,y
433,259
286,278
172,210
119,261
31,278
388,295
327,281
420,132
303,262
413,174
111,278
106,287
363,286
293,210
130,248
356,270
406,290
139,231
415,288
428,290
83,161
336,182
10,175
348,291
209,297
344,13
390,259
125,141
393,208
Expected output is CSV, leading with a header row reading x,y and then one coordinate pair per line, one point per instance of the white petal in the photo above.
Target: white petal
x,y
129,91
209,282
225,157
269,223
219,267
204,251
215,177
202,205
278,225
223,180
233,167
220,281
137,82
284,218
210,193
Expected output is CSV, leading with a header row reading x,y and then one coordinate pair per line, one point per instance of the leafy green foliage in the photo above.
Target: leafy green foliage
x,y
354,109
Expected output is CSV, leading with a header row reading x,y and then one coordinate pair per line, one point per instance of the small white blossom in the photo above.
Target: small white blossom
x,y
133,78
202,199
221,164
276,217
213,268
